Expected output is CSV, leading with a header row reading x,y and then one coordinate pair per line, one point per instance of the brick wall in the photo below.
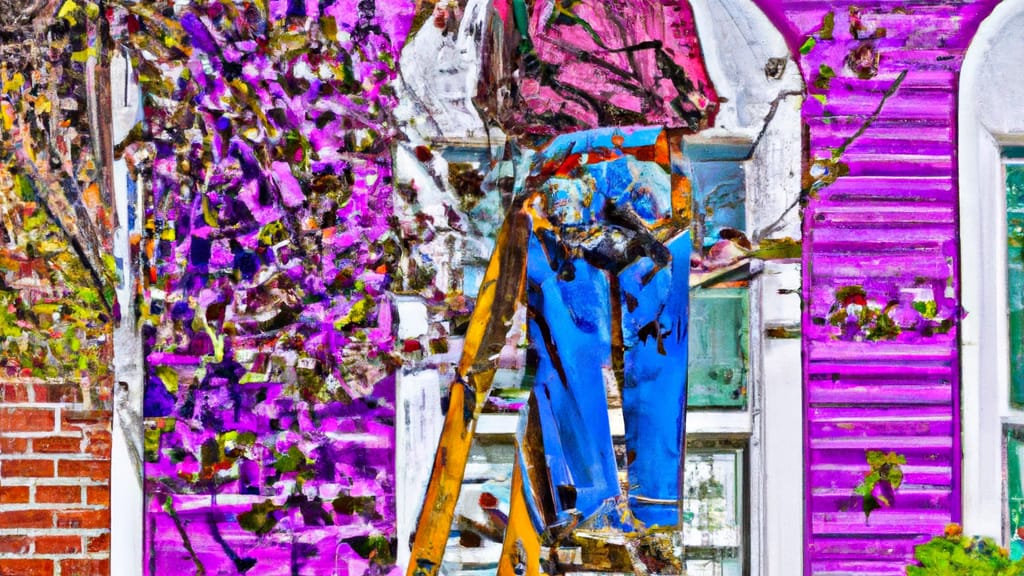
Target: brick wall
x,y
54,481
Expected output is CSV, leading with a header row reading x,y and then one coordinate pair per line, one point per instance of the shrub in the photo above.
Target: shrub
x,y
954,554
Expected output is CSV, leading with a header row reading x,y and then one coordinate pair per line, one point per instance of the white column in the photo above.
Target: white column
x,y
126,503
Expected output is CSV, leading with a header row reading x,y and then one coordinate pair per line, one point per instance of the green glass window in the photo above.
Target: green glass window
x,y
1015,274
719,312
1014,489
1014,434
719,344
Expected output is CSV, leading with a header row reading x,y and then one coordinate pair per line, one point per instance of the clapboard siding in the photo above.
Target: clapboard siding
x,y
869,192
852,548
866,394
844,475
881,265
839,500
888,225
884,213
916,106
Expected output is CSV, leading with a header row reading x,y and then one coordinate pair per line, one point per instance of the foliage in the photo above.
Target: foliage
x,y
955,554
878,488
862,318
56,284
263,155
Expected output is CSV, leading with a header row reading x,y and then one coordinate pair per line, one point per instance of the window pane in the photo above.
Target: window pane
x,y
718,347
712,512
1015,277
714,535
717,181
719,342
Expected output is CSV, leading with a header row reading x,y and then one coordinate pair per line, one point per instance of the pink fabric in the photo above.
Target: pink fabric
x,y
613,62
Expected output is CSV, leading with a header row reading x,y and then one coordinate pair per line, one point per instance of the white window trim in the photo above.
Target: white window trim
x,y
984,330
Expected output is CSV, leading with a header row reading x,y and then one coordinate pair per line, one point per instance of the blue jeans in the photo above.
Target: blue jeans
x,y
570,330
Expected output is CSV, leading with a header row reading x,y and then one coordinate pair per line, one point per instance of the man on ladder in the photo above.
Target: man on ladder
x,y
597,247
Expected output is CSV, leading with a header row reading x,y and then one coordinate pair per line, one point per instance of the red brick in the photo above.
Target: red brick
x,y
58,494
77,418
94,469
26,419
25,567
27,468
99,543
13,393
27,519
67,393
98,443
98,495
82,567
13,494
84,519
13,445
58,544
14,544
57,445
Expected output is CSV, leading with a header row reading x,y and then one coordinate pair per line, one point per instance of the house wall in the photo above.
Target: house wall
x,y
887,222
990,117
264,166
881,214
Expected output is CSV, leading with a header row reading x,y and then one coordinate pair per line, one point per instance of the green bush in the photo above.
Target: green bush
x,y
954,554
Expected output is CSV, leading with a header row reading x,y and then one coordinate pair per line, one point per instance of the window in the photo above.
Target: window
x,y
1013,445
990,131
1012,388
719,313
1013,435
1014,167
716,528
713,510
719,348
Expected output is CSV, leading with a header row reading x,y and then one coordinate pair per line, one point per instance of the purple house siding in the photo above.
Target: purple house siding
x,y
882,216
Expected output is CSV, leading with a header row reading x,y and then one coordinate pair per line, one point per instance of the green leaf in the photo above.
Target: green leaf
x,y
361,505
289,461
927,308
870,505
828,25
825,76
209,452
876,458
151,444
259,519
35,221
373,547
808,45
895,476
88,295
